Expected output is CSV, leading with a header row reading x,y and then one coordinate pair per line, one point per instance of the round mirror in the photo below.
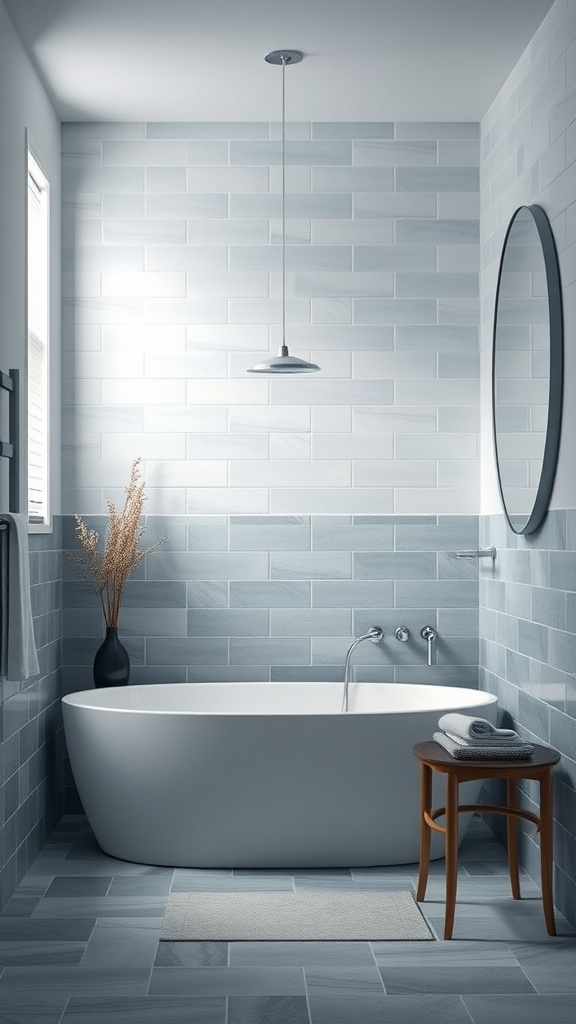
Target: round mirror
x,y
527,369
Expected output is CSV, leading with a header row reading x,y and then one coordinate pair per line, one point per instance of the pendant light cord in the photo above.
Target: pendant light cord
x,y
283,205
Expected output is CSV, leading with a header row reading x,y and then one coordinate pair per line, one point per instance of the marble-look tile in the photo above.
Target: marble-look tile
x,y
54,930
301,954
227,981
27,954
267,1009
120,942
345,995
34,1007
270,594
443,954
151,885
78,886
552,979
352,130
56,980
520,1009
213,882
168,1009
457,979
535,955
445,1009
92,907
192,954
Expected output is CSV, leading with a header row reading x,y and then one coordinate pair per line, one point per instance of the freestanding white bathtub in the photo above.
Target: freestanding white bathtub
x,y
258,775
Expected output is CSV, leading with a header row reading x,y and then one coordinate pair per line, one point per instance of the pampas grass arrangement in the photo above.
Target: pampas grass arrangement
x,y
106,567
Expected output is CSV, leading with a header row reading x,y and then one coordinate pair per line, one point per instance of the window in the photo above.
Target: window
x,y
38,343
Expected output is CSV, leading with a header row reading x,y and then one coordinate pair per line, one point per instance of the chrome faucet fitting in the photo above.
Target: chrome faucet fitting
x,y
429,635
402,633
374,634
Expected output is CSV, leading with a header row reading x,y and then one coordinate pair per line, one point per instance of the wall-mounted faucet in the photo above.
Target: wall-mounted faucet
x,y
374,634
429,635
402,634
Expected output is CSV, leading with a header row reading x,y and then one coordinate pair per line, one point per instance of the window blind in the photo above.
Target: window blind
x,y
38,342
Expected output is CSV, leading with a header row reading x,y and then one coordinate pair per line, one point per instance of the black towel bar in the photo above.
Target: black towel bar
x,y
9,448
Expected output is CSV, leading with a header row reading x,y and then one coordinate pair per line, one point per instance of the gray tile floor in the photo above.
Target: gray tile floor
x,y
79,945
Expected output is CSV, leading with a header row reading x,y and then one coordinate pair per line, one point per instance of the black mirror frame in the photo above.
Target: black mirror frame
x,y
554,421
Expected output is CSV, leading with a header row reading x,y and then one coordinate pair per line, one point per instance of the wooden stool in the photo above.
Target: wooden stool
x,y
434,758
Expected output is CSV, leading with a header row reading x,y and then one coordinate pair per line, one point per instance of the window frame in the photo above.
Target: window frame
x,y
36,169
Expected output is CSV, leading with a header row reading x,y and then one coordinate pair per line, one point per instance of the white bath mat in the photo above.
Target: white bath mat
x,y
293,916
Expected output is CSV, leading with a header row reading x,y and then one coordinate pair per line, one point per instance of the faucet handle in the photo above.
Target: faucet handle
x,y
429,635
402,633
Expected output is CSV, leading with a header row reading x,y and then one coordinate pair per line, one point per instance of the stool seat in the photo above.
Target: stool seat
x,y
434,758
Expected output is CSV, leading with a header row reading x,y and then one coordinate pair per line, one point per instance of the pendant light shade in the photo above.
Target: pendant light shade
x,y
284,362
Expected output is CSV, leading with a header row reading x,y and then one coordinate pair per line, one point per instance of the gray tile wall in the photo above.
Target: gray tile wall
x,y
527,599
171,239
281,597
528,658
31,739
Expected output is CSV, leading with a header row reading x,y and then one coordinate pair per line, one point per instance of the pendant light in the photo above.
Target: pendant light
x,y
284,362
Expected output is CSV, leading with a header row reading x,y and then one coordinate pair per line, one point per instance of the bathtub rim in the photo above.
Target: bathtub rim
x,y
466,697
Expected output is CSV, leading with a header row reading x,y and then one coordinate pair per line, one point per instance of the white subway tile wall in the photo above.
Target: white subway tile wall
x,y
527,611
172,291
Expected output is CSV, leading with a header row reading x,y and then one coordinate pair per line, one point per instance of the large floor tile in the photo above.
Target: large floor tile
x,y
405,980
233,883
20,906
110,906
508,928
28,954
143,886
555,952
227,981
444,954
553,980
126,946
301,954
145,1010
192,954
54,980
345,995
79,885
519,1009
31,1007
63,929
267,1010
429,1009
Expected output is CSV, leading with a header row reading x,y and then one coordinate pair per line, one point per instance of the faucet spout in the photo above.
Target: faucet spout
x,y
374,634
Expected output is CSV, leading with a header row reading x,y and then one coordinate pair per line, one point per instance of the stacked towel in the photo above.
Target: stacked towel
x,y
474,739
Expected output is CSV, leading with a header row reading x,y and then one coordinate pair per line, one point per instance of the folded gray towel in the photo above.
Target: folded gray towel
x,y
485,741
462,753
21,657
473,728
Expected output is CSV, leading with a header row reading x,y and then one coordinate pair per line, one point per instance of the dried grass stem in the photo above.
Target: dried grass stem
x,y
106,568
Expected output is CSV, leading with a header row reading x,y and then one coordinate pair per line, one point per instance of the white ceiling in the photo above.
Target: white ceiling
x,y
203,60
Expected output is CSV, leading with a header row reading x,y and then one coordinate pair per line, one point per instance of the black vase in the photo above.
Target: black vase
x,y
111,661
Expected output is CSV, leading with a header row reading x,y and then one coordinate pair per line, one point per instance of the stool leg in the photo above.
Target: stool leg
x,y
546,849
451,851
512,838
425,830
